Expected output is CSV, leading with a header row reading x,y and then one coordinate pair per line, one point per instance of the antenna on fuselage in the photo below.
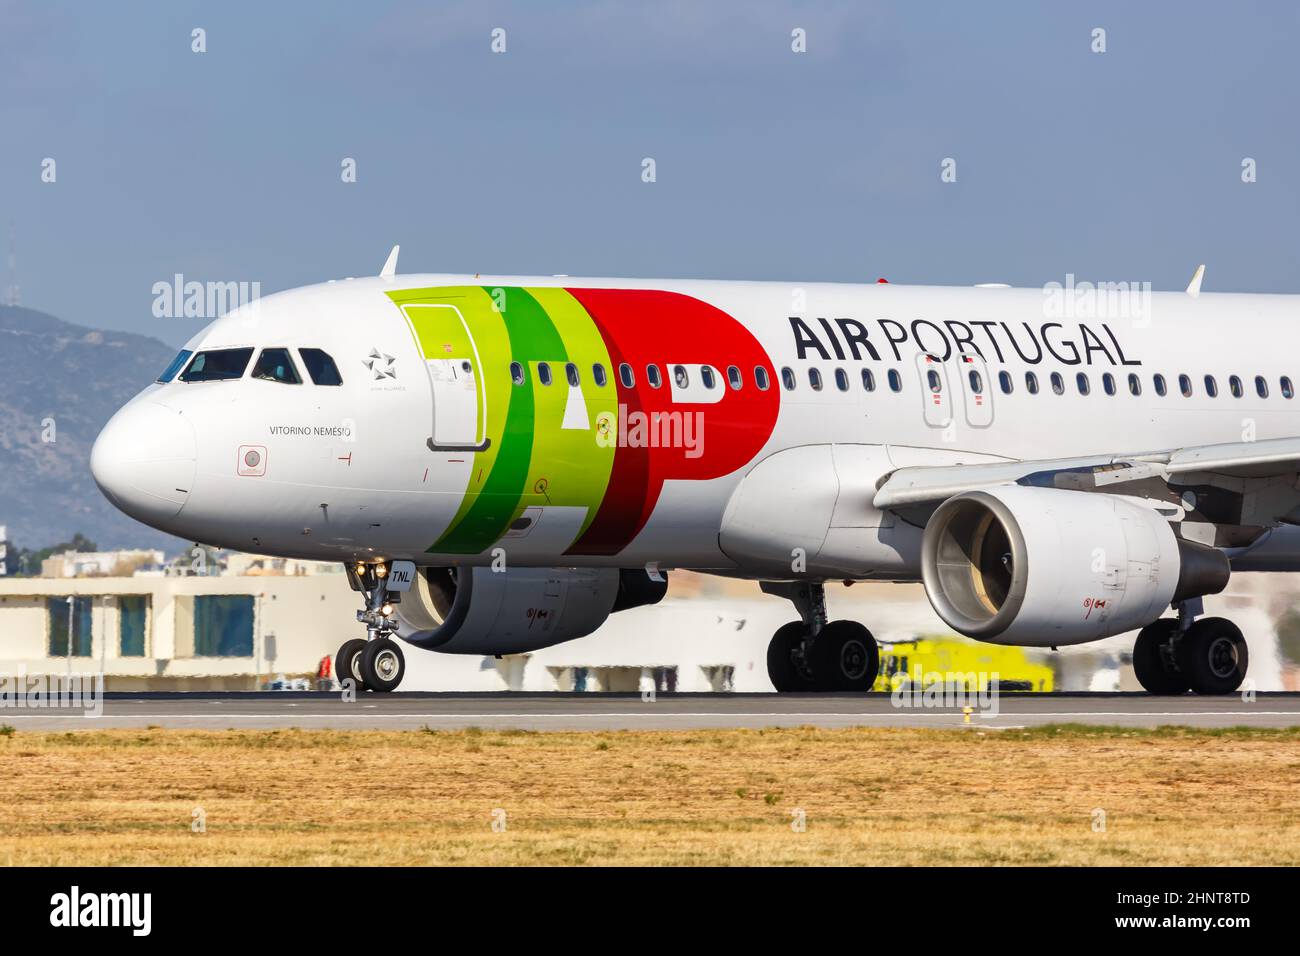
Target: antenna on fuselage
x,y
1194,287
390,267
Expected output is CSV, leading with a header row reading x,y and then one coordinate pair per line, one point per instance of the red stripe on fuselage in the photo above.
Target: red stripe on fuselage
x,y
648,327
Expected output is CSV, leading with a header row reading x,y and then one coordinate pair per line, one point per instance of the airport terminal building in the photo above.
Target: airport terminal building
x,y
249,621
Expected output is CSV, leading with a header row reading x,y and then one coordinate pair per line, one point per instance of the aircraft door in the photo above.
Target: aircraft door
x,y
977,390
935,394
455,375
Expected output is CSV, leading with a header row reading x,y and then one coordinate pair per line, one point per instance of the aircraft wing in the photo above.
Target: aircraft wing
x,y
1236,491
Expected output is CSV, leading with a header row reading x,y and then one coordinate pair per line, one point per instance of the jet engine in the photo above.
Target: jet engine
x,y
1045,566
481,611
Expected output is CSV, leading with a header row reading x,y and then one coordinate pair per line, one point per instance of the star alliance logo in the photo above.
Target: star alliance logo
x,y
380,364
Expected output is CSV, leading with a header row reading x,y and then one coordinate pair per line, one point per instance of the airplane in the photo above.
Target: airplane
x,y
501,462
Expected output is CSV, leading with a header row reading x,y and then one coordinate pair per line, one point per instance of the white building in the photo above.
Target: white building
x,y
80,564
237,631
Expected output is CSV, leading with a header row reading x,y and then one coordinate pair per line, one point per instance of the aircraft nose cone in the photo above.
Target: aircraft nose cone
x,y
144,461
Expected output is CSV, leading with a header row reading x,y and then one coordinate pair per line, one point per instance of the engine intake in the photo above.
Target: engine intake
x,y
1045,566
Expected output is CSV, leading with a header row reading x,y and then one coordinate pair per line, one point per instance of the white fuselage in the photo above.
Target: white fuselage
x,y
347,471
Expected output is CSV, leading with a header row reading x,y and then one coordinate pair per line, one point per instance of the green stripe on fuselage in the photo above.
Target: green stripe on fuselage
x,y
488,509
532,459
569,462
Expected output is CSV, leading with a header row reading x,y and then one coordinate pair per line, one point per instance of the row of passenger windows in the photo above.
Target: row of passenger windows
x,y
273,365
1056,381
681,375
1236,387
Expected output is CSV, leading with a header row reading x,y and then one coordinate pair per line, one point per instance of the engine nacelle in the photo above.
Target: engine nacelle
x,y
481,611
1045,566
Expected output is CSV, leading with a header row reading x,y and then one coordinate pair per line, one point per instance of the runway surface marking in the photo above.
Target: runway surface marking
x,y
666,712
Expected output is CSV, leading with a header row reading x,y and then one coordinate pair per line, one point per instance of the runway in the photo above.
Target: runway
x,y
603,712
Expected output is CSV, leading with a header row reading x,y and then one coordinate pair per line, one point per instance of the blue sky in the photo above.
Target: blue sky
x,y
225,166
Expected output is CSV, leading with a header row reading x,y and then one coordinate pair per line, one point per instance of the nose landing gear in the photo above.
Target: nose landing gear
x,y
375,663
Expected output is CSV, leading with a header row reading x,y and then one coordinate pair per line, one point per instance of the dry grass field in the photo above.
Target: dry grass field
x,y
1170,797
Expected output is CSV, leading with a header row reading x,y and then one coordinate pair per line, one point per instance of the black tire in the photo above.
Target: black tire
x,y
845,658
786,676
382,665
1150,664
1214,656
347,662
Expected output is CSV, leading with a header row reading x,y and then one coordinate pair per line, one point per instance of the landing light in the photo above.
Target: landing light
x,y
386,610
381,569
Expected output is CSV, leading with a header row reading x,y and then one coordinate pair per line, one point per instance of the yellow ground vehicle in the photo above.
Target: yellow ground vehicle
x,y
970,664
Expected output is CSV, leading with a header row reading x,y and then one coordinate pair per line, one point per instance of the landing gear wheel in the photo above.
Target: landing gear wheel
x,y
845,657
1213,655
1152,665
347,662
382,665
785,673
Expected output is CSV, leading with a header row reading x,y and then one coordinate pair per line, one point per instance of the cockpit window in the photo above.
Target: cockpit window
x,y
176,365
217,365
274,365
320,367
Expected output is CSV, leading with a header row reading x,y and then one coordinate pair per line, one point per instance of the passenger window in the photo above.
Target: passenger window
x,y
274,365
1058,383
598,375
787,378
680,378
1081,380
895,380
815,379
1158,381
868,380
516,373
841,380
760,378
1287,390
320,367
1004,379
1134,384
1108,383
1185,385
976,382
571,374
1235,386
625,376
1211,386
652,376
707,377
1031,383
1261,386
733,376
544,372
933,380
218,365
176,365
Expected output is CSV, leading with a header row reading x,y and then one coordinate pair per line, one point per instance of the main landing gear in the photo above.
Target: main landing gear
x,y
375,662
1174,655
813,654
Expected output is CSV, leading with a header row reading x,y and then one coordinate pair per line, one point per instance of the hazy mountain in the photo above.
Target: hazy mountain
x,y
62,382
